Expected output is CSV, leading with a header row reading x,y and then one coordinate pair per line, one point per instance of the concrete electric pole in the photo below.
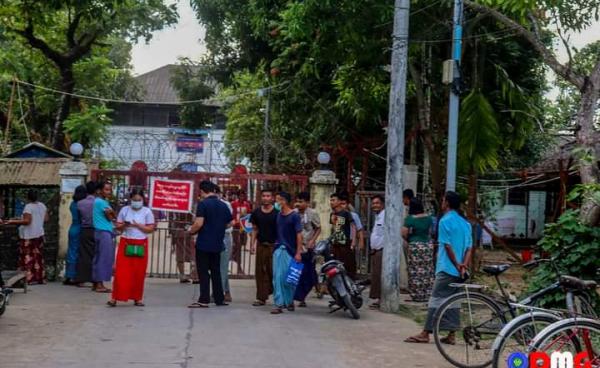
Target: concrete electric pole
x,y
454,96
392,251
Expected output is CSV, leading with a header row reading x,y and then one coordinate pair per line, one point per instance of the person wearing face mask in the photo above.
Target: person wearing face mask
x,y
135,222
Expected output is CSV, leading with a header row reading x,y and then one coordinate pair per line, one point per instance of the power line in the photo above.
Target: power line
x,y
103,99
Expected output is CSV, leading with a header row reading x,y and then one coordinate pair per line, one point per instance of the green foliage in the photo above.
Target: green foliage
x,y
193,82
89,126
75,46
561,112
567,13
576,247
479,133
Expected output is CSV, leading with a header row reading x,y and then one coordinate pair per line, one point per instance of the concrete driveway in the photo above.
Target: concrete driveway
x,y
60,326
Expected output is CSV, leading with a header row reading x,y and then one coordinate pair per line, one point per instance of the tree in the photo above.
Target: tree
x,y
193,82
65,32
528,20
105,72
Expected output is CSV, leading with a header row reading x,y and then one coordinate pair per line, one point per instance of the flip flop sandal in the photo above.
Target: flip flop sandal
x,y
139,304
258,303
198,305
375,306
291,308
302,305
111,303
104,290
277,311
417,340
448,341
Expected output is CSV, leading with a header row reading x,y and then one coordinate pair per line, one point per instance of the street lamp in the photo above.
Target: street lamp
x,y
76,150
323,159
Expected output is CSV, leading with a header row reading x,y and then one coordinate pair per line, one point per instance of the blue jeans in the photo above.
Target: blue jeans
x,y
225,255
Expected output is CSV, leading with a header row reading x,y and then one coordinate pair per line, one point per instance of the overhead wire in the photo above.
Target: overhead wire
x,y
121,101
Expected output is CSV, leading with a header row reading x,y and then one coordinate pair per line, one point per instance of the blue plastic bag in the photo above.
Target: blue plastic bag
x,y
294,272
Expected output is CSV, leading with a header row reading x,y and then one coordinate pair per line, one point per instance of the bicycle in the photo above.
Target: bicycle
x,y
485,317
573,335
522,330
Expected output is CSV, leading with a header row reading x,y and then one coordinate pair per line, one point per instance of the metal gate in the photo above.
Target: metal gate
x,y
170,242
362,205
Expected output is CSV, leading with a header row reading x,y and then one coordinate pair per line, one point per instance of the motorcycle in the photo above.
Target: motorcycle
x,y
346,293
4,298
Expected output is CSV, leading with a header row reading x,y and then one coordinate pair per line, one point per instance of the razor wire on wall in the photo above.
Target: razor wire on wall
x,y
157,147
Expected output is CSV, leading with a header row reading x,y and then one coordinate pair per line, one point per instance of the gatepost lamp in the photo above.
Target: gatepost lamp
x,y
323,159
76,150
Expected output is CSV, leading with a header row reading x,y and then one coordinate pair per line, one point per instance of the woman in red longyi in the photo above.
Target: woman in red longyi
x,y
136,222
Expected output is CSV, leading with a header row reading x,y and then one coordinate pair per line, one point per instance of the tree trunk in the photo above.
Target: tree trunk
x,y
67,83
588,170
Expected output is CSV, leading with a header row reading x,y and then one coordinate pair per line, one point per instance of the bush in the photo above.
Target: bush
x,y
577,249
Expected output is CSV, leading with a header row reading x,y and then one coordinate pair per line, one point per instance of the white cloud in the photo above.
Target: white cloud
x,y
182,40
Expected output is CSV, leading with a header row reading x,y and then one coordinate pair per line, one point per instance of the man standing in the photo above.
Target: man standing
x,y
212,218
226,253
104,256
453,259
377,234
341,233
311,229
182,243
289,244
241,207
407,195
264,235
87,244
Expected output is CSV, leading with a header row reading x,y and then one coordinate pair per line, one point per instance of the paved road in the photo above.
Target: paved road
x,y
58,326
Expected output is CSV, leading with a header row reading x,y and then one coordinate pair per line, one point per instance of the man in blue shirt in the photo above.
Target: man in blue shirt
x,y
212,218
453,260
288,245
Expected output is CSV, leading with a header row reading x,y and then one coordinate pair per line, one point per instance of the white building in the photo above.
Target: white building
x,y
150,131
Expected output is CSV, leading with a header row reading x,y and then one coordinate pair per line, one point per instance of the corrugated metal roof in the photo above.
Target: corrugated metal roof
x,y
156,85
36,172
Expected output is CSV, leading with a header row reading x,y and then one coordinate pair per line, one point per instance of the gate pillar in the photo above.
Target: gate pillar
x,y
322,186
72,174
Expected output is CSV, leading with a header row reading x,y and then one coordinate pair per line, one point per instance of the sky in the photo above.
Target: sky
x,y
181,40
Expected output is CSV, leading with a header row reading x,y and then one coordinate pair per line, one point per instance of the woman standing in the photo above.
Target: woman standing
x,y
31,232
416,231
74,237
136,222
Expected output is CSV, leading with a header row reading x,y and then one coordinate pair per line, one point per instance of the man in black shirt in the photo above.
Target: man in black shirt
x,y
264,235
212,218
342,228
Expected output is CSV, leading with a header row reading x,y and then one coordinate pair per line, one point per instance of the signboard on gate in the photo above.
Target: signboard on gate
x,y
190,144
171,195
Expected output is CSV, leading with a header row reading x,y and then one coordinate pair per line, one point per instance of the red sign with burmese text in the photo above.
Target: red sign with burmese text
x,y
171,195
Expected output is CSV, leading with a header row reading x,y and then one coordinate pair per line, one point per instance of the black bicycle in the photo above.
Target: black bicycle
x,y
474,319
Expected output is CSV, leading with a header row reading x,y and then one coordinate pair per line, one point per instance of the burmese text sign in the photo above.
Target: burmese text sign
x,y
171,195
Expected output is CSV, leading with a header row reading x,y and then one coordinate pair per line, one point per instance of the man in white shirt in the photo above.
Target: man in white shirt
x,y
376,246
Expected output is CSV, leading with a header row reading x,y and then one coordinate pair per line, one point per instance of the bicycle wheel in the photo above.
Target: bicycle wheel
x,y
573,335
475,319
518,334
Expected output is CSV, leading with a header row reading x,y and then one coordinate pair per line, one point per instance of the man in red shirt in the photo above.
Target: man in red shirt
x,y
241,207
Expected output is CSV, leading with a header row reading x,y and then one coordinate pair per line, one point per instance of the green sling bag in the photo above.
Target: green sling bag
x,y
134,250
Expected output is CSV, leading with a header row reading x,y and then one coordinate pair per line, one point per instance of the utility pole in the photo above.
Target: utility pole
x,y
266,92
392,251
454,97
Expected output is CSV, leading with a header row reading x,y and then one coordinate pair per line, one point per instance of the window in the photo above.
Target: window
x,y
517,197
